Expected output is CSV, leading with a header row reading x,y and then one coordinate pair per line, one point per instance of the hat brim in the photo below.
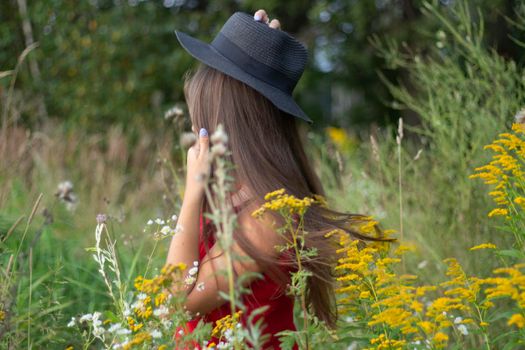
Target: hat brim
x,y
208,55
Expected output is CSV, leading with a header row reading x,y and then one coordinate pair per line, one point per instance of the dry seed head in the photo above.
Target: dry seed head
x,y
520,117
219,136
187,139
218,150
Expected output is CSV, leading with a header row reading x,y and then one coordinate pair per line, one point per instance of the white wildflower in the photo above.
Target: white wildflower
x,y
137,304
150,222
160,311
155,333
86,317
96,316
463,329
353,346
223,345
127,310
228,334
189,280
177,229
159,221
142,296
200,286
174,217
166,323
349,319
71,323
114,327
422,264
458,320
193,271
166,230
124,331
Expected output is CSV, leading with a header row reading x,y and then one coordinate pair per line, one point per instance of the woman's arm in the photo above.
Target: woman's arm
x,y
212,279
184,247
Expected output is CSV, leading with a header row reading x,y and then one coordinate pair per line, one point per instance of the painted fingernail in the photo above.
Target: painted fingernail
x,y
203,132
257,17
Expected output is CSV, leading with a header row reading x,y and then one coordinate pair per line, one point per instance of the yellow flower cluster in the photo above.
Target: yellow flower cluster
x,y
133,326
138,339
505,171
510,283
163,280
518,320
382,342
225,323
285,204
370,290
153,294
2,315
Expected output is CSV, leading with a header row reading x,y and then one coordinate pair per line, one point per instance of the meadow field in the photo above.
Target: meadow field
x,y
83,215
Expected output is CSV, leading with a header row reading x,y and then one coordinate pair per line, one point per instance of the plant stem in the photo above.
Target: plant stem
x,y
299,270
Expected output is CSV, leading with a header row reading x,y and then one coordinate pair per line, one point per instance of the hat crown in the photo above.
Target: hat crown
x,y
271,47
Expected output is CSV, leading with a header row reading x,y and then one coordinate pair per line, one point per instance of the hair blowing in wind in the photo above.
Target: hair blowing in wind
x,y
268,154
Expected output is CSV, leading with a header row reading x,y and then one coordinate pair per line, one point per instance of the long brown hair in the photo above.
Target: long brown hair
x,y
268,154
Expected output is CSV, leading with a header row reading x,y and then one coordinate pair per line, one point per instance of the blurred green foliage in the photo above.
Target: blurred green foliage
x,y
118,61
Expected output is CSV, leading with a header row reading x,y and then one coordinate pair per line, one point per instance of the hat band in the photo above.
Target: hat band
x,y
252,66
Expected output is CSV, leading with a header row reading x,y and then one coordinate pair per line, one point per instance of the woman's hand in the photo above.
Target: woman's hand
x,y
262,16
198,168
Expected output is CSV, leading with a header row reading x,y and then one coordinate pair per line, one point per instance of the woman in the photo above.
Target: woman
x,y
245,84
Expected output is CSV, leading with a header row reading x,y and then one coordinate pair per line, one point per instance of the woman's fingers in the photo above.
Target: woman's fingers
x,y
261,16
275,24
204,142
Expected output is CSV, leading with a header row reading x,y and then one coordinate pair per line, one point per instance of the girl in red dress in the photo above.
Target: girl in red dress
x,y
245,85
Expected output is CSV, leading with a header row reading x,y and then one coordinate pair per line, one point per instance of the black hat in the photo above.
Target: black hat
x,y
266,59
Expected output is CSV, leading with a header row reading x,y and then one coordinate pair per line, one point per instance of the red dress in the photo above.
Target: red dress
x,y
265,291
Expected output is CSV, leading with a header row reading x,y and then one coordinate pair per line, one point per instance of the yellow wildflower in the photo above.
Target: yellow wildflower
x,y
518,320
338,136
276,193
520,201
498,212
225,323
518,128
426,326
160,298
382,343
364,294
138,339
403,248
279,201
133,325
484,246
440,337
